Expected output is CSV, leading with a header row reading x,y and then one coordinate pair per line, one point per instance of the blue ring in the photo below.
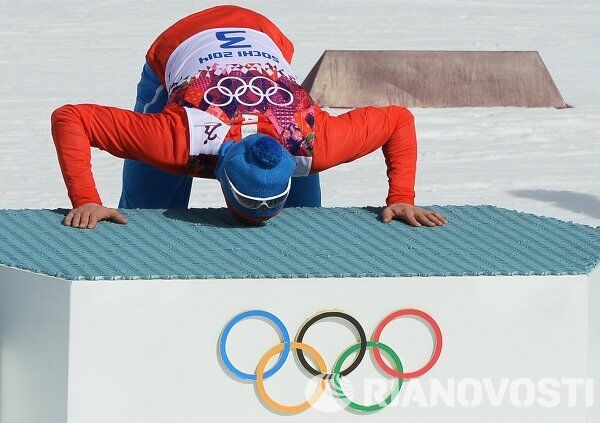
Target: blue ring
x,y
254,313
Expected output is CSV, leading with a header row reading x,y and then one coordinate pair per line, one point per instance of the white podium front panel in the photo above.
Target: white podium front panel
x,y
147,351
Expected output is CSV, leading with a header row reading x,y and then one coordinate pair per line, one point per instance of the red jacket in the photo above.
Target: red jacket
x,y
184,138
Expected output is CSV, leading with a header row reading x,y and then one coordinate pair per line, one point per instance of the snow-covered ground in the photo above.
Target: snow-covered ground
x,y
543,161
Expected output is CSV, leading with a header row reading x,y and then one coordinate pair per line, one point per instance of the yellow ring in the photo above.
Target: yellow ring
x,y
260,380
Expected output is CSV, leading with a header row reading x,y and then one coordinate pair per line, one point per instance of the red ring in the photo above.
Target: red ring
x,y
436,352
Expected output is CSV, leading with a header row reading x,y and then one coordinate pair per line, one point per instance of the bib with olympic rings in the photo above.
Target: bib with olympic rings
x,y
234,82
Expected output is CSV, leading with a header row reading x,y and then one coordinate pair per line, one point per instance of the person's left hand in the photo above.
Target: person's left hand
x,y
412,215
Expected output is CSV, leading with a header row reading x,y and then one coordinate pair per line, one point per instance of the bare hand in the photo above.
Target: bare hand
x,y
412,215
88,215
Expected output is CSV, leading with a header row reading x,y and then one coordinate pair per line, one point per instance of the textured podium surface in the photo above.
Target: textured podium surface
x,y
326,242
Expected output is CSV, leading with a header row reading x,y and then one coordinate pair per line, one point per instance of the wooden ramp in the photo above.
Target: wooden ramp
x,y
345,78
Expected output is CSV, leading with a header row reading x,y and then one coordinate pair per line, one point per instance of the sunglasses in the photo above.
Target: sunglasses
x,y
255,203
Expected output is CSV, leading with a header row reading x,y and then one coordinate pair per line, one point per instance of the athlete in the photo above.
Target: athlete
x,y
218,99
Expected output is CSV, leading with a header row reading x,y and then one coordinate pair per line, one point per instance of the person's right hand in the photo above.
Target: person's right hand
x,y
88,215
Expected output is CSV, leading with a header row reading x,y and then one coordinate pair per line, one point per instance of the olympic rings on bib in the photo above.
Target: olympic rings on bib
x,y
238,93
283,349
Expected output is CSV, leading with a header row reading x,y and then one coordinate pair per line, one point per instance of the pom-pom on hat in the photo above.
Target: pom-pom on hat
x,y
257,167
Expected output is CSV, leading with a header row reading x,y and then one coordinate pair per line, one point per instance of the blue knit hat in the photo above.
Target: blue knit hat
x,y
257,166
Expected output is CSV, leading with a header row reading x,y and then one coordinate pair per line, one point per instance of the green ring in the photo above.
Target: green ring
x,y
336,378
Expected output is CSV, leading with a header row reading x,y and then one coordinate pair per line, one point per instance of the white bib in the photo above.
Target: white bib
x,y
222,46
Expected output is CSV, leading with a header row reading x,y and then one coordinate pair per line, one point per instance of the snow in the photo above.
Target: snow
x,y
543,161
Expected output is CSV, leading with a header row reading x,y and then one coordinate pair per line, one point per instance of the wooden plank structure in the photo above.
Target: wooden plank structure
x,y
345,78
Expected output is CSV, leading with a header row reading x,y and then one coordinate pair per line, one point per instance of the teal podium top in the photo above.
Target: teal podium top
x,y
299,243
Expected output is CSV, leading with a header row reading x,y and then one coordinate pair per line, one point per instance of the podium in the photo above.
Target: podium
x,y
126,324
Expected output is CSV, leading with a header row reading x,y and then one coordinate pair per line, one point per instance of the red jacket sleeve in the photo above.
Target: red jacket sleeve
x,y
161,140
345,138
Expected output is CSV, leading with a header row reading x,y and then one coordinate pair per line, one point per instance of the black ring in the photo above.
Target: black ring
x,y
323,315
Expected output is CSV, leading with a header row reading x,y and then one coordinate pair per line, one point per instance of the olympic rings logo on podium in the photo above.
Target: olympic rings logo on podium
x,y
244,88
338,371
